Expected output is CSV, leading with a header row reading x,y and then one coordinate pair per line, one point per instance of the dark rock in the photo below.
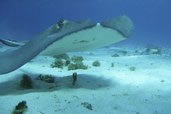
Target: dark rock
x,y
20,108
96,63
87,105
115,55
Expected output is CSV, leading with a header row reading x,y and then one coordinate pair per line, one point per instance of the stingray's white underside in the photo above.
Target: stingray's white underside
x,y
95,37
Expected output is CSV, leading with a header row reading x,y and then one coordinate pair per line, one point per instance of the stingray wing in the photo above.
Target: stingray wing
x,y
67,36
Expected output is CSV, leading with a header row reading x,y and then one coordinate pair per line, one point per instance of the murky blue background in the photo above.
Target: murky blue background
x,y
23,19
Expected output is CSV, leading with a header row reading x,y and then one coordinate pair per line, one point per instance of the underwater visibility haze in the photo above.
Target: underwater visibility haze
x,y
25,19
85,57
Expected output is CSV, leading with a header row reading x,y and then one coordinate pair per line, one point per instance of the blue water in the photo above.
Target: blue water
x,y
23,19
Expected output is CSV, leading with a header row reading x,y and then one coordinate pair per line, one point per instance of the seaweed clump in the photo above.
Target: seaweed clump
x,y
58,63
61,61
77,63
77,59
20,108
62,56
67,62
75,66
96,63
26,82
73,63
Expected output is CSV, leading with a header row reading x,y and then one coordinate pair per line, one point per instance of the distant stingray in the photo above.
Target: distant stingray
x,y
11,43
66,36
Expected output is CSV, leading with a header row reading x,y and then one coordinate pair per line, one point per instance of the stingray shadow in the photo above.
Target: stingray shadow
x,y
85,81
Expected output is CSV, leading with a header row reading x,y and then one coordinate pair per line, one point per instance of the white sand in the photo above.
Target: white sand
x,y
110,90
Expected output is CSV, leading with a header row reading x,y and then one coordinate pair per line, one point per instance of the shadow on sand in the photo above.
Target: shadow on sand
x,y
85,81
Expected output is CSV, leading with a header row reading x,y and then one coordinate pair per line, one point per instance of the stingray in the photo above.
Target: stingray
x,y
66,36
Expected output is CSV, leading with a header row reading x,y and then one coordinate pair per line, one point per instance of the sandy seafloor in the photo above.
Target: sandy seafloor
x,y
109,90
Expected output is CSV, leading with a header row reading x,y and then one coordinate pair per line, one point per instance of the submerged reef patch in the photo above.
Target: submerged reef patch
x,y
58,63
73,63
62,56
77,59
61,61
77,63
75,66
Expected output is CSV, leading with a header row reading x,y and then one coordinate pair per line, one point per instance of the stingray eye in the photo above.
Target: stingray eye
x,y
61,23
57,26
